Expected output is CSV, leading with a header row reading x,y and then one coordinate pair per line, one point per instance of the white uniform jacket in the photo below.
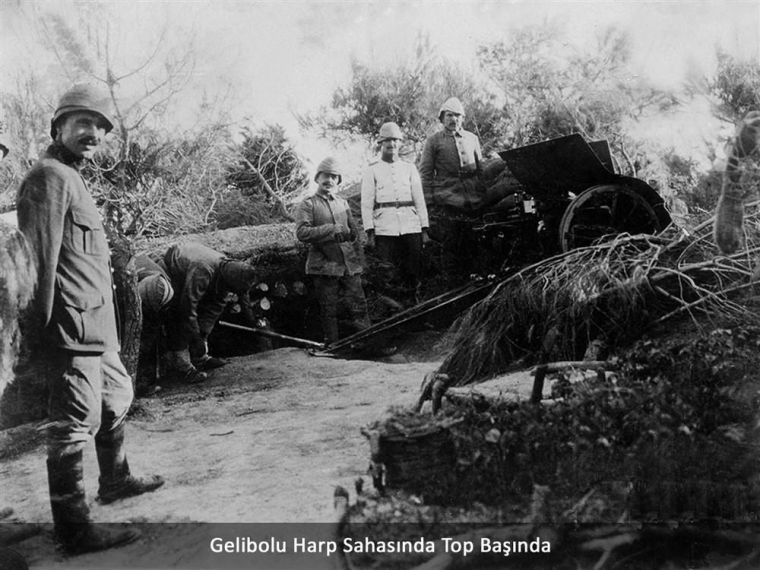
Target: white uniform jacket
x,y
392,199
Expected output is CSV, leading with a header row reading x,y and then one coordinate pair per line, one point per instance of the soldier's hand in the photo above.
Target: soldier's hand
x,y
341,234
371,239
425,237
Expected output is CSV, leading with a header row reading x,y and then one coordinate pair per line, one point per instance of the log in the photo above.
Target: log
x,y
244,243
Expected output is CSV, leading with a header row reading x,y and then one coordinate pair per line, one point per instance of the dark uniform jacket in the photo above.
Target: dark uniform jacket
x,y
200,293
316,220
450,169
56,213
146,267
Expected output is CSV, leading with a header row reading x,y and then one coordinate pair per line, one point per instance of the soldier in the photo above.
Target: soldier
x,y
451,163
156,292
452,181
394,214
735,190
89,389
153,286
203,281
325,222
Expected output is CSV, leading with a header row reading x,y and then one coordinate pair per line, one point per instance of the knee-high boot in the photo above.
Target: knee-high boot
x,y
116,480
73,529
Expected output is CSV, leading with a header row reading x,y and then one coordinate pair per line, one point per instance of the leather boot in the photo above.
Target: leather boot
x,y
74,531
116,480
178,368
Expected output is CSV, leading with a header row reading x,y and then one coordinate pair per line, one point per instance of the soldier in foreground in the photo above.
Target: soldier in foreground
x,y
89,389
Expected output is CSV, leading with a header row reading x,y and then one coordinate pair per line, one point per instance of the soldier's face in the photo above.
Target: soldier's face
x,y
452,121
82,132
389,149
328,182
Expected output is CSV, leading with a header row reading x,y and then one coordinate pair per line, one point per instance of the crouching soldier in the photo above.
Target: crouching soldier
x,y
156,292
89,389
203,280
325,222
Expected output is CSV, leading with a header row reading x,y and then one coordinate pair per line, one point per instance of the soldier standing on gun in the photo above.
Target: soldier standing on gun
x,y
451,173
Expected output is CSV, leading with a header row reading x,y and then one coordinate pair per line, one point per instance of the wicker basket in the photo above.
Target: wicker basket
x,y
418,459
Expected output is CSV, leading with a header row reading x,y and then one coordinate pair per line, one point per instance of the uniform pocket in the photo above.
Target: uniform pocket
x,y
69,324
87,234
78,318
80,327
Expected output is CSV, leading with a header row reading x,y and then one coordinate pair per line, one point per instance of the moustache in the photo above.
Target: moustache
x,y
89,141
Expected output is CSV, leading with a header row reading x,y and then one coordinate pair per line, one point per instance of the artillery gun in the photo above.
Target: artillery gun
x,y
569,196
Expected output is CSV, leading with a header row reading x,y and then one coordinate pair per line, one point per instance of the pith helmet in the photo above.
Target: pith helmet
x,y
330,165
84,97
452,105
390,131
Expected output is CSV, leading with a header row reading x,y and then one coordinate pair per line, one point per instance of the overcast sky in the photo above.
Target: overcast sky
x,y
291,55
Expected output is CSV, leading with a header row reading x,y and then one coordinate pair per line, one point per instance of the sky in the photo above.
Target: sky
x,y
287,56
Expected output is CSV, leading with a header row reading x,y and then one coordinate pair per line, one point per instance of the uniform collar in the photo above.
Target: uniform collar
x,y
447,132
325,195
58,151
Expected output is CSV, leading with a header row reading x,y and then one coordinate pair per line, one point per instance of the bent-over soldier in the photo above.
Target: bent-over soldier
x,y
203,281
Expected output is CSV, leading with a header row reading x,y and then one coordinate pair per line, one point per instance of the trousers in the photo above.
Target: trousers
x,y
328,288
87,393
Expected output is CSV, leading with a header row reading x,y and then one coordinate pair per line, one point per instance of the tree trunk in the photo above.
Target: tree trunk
x,y
129,310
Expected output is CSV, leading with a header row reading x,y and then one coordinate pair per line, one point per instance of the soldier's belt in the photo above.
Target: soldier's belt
x,y
393,204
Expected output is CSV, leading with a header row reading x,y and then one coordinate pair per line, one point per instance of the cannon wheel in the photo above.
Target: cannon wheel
x,y
607,209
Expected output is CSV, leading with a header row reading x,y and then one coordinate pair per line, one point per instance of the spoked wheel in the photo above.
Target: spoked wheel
x,y
608,209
